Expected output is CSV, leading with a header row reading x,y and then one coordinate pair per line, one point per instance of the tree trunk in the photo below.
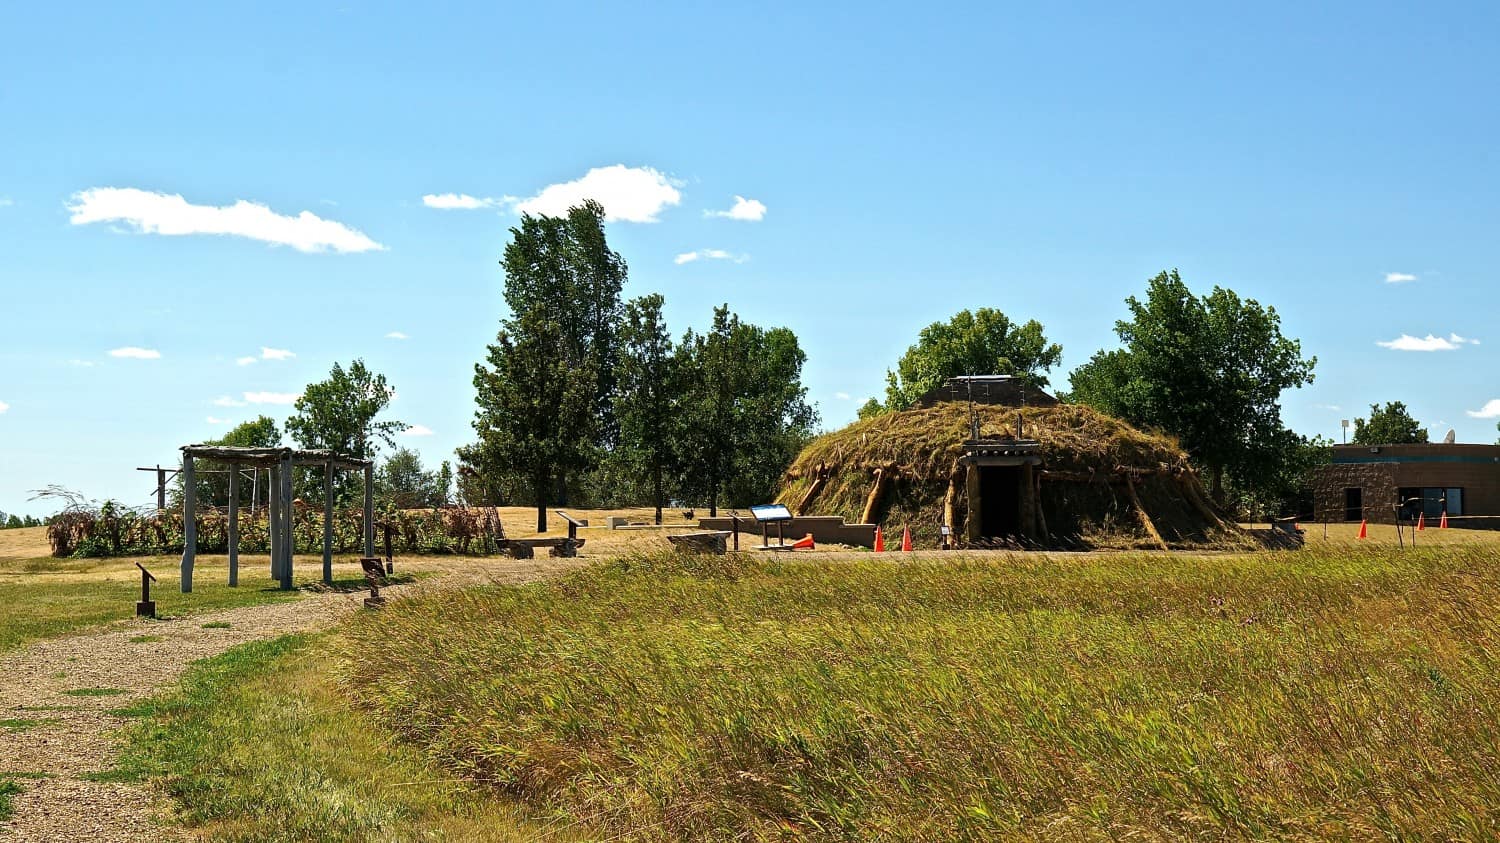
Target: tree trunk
x,y
1218,485
656,485
541,504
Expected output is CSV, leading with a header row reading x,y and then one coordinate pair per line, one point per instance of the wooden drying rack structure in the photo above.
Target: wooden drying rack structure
x,y
280,463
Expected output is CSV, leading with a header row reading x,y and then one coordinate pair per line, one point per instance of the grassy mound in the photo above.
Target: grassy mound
x,y
1084,498
1310,695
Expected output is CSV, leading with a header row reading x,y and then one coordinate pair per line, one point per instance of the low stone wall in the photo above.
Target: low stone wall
x,y
825,529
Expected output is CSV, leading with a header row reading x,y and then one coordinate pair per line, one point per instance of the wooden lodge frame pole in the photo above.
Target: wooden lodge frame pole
x,y
273,520
189,522
234,525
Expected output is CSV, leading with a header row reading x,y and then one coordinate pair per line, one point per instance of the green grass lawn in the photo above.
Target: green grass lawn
x,y
44,597
258,745
1349,693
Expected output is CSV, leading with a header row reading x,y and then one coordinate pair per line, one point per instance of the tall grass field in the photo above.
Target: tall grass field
x,y
1335,693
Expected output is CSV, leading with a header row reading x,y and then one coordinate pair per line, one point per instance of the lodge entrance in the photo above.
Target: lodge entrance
x,y
1000,501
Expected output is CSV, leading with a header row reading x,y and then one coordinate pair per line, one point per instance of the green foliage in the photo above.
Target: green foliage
x,y
1389,425
536,418
744,410
1271,696
545,392
8,788
982,342
1207,369
562,270
648,402
339,414
213,486
404,483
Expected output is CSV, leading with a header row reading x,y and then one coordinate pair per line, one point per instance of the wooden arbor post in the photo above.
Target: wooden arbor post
x,y
234,524
189,522
369,510
328,523
273,519
288,519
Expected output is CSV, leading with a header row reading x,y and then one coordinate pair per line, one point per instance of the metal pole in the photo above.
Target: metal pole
x,y
189,522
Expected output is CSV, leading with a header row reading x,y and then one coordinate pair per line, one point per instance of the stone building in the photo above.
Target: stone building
x,y
1365,482
1002,390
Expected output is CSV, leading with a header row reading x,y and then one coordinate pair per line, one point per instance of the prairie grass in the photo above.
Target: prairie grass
x,y
1300,695
256,745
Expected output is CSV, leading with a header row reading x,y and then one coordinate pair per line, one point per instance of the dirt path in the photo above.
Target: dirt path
x,y
72,732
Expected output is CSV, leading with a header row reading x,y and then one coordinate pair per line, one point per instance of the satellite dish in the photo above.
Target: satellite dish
x,y
1451,437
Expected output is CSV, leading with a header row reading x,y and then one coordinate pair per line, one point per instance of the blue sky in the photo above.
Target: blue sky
x,y
907,161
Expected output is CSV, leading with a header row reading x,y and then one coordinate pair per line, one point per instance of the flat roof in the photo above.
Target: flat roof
x,y
1432,452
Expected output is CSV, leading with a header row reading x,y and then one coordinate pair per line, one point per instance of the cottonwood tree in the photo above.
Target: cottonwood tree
x,y
744,410
647,402
563,268
341,414
982,342
407,484
1389,425
1208,369
537,414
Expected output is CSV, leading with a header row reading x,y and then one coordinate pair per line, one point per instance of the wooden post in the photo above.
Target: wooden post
x,y
972,526
950,499
234,524
1140,510
288,519
370,510
161,489
254,489
872,503
273,520
189,522
1027,503
328,523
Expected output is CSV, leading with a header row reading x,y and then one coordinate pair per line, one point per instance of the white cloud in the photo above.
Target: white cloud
x,y
3,407
628,194
417,430
709,254
1399,277
275,354
170,214
1407,342
749,210
212,420
1490,410
396,335
842,396
244,361
6,202
134,353
226,401
82,364
462,201
1333,408
271,397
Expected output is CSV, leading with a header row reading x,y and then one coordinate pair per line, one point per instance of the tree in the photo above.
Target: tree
x,y
404,482
744,410
213,486
339,414
1209,370
982,342
562,267
536,418
1389,425
646,404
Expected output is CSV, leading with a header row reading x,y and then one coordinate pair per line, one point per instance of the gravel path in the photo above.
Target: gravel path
x,y
73,733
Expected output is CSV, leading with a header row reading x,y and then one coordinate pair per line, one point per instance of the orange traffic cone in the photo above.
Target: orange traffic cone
x,y
1443,522
1364,529
906,540
1421,522
806,542
879,540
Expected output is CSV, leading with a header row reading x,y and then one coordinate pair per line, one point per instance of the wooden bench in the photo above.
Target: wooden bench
x,y
561,546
